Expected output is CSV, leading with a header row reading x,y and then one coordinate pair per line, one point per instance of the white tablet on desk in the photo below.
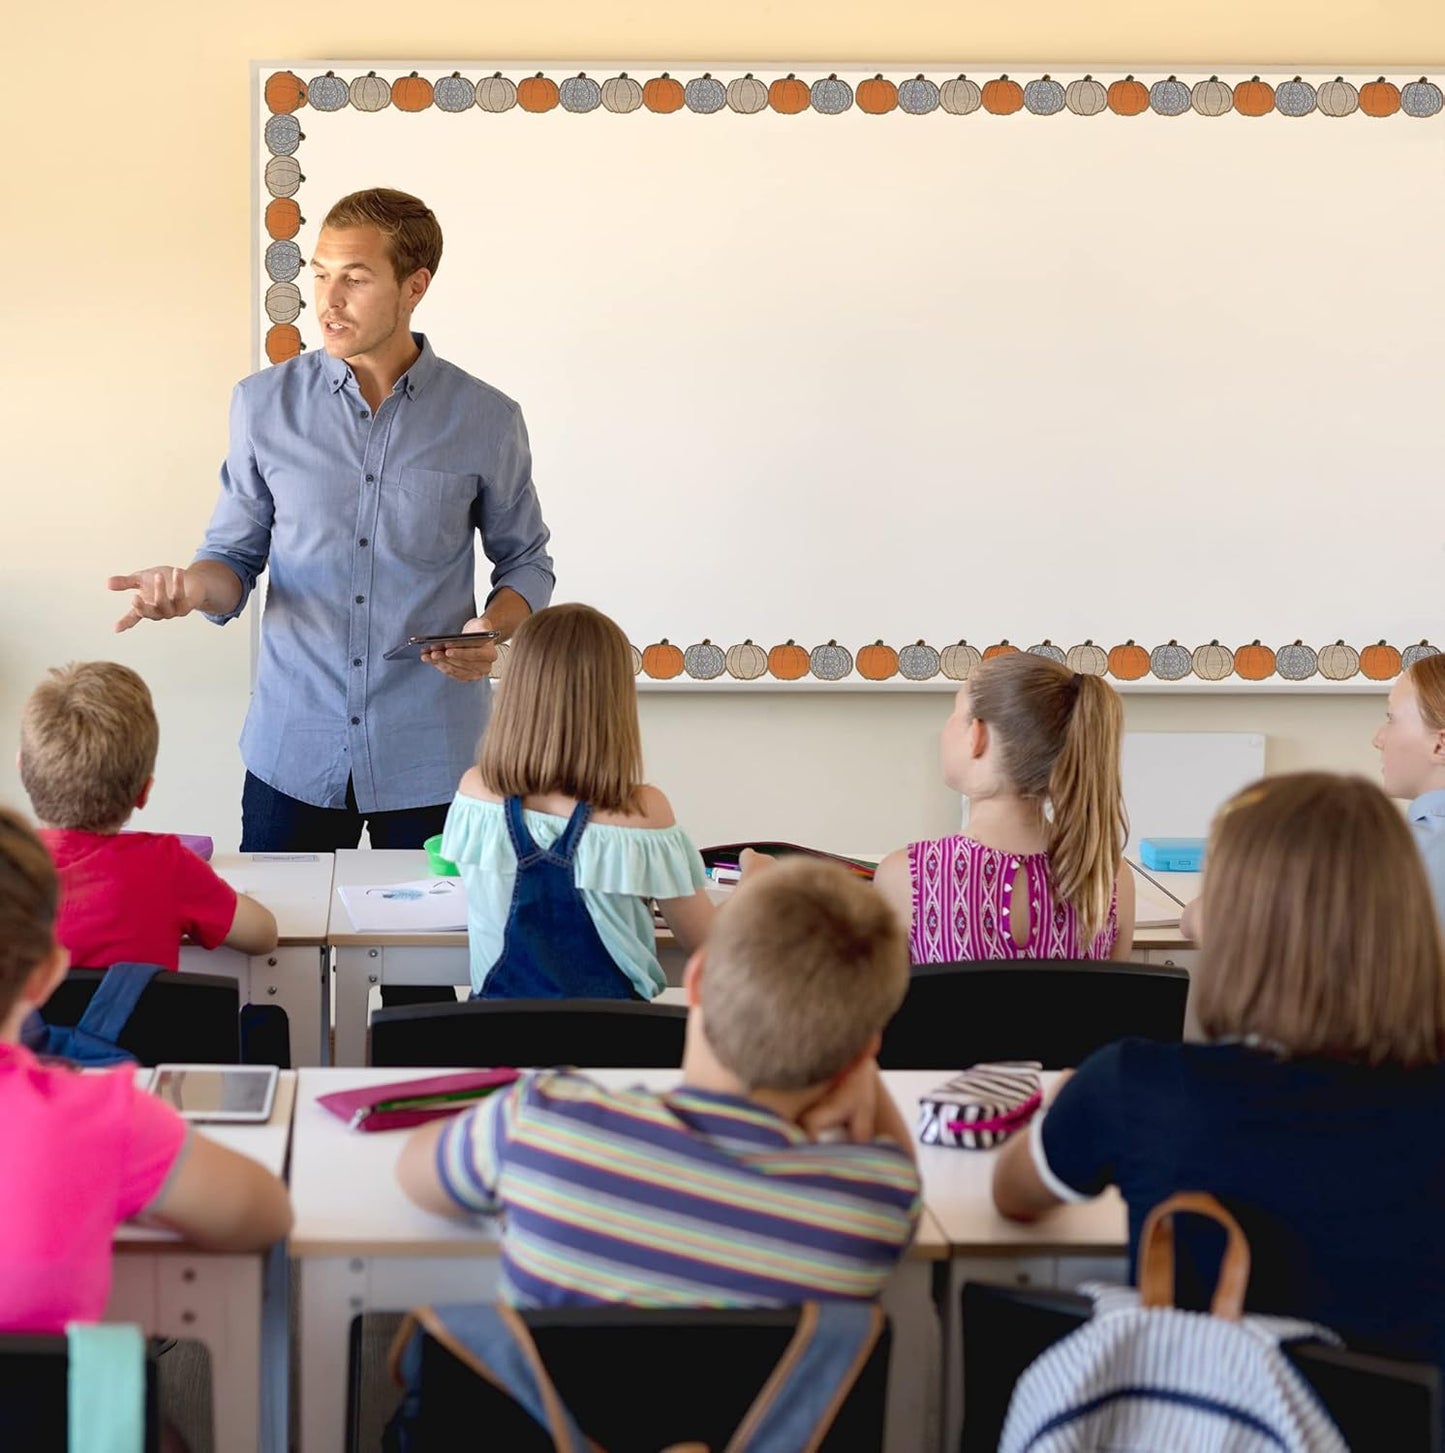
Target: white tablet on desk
x,y
236,1093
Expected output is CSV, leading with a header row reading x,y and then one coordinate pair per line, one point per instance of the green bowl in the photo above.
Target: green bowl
x,y
442,867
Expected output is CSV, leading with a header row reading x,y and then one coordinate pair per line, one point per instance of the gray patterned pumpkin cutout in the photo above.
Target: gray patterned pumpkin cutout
x,y
370,92
1420,98
1338,98
705,95
328,92
1171,662
960,97
959,661
917,97
283,261
918,662
1296,662
495,93
283,135
283,302
454,93
704,661
830,96
621,94
1170,98
1295,98
831,662
1411,654
1044,97
1213,662
1086,97
1212,97
580,94
747,95
1339,662
746,661
1087,659
1048,651
283,176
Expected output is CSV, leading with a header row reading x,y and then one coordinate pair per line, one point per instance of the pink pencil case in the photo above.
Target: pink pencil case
x,y
981,1107
404,1103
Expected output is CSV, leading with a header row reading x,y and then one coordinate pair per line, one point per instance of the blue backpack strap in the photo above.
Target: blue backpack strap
x,y
114,1001
565,847
522,843
105,1388
797,1404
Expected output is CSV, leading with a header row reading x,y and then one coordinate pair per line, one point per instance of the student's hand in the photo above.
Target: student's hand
x,y
853,1105
160,595
751,863
466,663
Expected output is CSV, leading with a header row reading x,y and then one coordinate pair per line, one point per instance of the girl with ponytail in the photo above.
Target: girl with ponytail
x,y
1039,874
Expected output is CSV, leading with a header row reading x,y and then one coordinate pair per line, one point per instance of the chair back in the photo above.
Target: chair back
x,y
1057,1011
34,1395
1377,1403
525,1033
180,1018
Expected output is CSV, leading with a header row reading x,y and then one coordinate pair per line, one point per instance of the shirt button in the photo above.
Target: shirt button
x,y
362,541
356,660
356,721
371,479
361,413
361,600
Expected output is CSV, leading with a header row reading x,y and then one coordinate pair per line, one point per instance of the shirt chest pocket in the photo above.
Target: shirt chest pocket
x,y
427,515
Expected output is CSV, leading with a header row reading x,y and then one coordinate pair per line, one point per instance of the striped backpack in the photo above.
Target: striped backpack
x,y
1141,1374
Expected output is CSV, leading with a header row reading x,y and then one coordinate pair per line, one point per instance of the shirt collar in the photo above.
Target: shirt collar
x,y
338,371
1428,805
764,1122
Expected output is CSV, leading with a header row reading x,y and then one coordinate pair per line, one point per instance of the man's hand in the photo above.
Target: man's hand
x,y
853,1105
160,595
466,663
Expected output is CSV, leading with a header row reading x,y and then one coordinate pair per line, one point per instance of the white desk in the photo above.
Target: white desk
x,y
236,1303
296,887
361,1246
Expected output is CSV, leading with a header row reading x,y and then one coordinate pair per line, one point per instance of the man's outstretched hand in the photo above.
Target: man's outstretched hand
x,y
159,595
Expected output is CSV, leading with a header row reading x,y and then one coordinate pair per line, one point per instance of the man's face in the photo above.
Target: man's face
x,y
360,305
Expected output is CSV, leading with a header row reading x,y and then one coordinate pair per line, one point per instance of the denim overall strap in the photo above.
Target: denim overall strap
x,y
565,848
522,844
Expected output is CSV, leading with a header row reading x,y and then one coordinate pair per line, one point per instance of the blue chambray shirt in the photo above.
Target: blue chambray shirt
x,y
1427,819
367,523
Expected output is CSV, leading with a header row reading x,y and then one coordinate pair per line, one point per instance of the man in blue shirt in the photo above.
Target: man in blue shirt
x,y
359,477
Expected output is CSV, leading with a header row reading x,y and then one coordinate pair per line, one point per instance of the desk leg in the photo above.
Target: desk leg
x,y
297,979
912,1424
357,969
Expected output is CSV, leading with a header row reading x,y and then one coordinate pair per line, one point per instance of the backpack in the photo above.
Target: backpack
x,y
93,1040
1141,1374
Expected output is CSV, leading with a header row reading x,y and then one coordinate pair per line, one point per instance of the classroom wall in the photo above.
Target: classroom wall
x,y
127,267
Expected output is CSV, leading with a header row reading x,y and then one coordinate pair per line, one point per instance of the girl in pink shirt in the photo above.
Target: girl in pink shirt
x,y
1034,747
83,1152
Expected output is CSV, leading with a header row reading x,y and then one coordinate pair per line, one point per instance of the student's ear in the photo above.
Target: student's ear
x,y
978,738
692,978
1437,749
145,793
45,977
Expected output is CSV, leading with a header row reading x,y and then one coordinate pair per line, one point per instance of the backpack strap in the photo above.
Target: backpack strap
x,y
114,1001
1156,1255
105,1388
798,1403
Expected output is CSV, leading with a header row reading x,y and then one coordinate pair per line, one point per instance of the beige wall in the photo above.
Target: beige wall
x,y
127,267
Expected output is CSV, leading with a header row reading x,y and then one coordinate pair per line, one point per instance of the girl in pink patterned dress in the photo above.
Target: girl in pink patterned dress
x,y
1039,874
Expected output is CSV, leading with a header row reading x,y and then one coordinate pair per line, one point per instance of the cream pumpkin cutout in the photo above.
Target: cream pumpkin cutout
x,y
959,661
1339,662
1086,97
636,659
746,95
1213,662
746,662
662,661
371,92
621,94
496,93
960,96
1087,660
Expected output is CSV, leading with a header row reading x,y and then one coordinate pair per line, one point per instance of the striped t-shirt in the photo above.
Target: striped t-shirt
x,y
688,1198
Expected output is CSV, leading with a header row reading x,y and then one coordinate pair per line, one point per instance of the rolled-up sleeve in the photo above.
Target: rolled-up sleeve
x,y
514,534
239,535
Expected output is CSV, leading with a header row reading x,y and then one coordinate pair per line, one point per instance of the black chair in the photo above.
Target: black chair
x,y
1377,1402
703,1370
1057,1011
180,1018
34,1375
523,1033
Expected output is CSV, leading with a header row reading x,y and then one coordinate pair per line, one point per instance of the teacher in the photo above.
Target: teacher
x,y
361,477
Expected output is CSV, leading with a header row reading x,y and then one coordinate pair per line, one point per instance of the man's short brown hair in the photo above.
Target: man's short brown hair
x,y
804,965
88,743
28,896
413,234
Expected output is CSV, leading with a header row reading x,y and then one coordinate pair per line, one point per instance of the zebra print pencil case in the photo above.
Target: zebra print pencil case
x,y
981,1107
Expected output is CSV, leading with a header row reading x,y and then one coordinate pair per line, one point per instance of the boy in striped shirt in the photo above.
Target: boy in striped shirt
x,y
779,1170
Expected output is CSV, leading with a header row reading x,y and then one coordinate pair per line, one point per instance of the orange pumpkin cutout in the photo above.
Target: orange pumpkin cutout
x,y
663,95
1001,649
1254,98
789,97
538,94
1002,97
1380,662
877,97
1254,662
877,662
285,92
411,93
283,218
1128,662
1128,97
1380,98
283,342
788,662
662,661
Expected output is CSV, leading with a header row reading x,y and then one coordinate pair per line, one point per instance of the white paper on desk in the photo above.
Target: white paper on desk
x,y
423,905
1153,907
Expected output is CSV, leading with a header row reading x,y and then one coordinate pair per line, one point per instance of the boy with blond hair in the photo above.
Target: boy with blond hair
x,y
779,1171
88,743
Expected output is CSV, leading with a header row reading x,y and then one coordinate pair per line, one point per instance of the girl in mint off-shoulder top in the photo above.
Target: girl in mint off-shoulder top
x,y
560,844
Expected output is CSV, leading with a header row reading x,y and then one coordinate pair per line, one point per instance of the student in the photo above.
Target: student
x,y
88,743
1411,745
1039,873
1314,1110
84,1152
719,1193
560,843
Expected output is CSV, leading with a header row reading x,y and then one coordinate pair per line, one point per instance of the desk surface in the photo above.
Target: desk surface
x,y
381,865
296,887
348,1202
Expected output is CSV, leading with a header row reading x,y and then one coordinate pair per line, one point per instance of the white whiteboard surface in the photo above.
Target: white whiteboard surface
x,y
1174,782
903,377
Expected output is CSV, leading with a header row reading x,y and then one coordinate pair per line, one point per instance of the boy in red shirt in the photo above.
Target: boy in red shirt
x,y
88,743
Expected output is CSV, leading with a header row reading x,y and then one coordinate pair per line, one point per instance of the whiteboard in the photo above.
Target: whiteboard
x,y
1174,782
938,375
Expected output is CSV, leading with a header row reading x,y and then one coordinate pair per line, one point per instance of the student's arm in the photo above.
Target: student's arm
x,y
894,880
689,918
1124,911
1191,920
451,1167
860,1104
416,1170
220,1200
1019,1191
253,929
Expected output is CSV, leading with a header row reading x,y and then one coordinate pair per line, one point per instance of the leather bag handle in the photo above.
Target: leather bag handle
x,y
1156,1255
